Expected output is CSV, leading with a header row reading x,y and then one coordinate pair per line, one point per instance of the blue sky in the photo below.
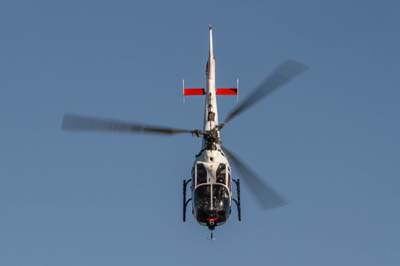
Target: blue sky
x,y
329,141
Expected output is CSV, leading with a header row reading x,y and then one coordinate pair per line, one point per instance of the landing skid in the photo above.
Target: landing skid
x,y
185,202
237,200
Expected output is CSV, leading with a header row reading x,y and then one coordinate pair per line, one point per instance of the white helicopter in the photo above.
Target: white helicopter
x,y
211,182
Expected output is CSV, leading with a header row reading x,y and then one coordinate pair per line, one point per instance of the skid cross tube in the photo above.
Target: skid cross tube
x,y
185,202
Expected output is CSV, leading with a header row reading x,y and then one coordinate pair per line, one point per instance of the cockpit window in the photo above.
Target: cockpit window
x,y
220,197
211,201
221,173
201,174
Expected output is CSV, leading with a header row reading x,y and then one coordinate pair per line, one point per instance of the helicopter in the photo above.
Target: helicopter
x,y
211,182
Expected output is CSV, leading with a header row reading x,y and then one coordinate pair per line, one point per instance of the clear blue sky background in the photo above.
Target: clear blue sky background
x,y
329,141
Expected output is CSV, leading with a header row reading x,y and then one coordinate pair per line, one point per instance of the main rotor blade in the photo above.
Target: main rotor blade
x,y
284,73
266,196
72,122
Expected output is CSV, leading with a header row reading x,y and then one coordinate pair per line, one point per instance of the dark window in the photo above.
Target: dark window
x,y
211,116
218,207
221,173
201,174
220,197
202,203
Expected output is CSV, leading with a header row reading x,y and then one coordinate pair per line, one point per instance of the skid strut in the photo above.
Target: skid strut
x,y
237,201
185,202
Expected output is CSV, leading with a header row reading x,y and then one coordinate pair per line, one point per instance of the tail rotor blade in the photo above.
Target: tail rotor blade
x,y
72,122
266,196
284,73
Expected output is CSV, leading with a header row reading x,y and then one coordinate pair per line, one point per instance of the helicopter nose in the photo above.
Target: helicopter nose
x,y
211,223
212,216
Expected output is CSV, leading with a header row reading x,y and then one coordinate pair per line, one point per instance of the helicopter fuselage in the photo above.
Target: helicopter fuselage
x,y
211,172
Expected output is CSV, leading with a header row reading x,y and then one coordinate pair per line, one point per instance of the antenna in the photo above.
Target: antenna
x,y
212,238
183,91
237,89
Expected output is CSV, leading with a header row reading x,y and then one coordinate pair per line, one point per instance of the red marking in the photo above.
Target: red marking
x,y
201,91
193,91
227,91
212,219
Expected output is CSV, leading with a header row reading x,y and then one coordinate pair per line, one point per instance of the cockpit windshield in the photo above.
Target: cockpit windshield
x,y
211,202
220,197
202,199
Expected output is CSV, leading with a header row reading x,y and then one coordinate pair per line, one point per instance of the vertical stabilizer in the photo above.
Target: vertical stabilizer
x,y
211,60
211,51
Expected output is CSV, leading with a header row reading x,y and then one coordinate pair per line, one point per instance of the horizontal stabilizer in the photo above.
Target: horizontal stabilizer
x,y
202,91
193,91
227,91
